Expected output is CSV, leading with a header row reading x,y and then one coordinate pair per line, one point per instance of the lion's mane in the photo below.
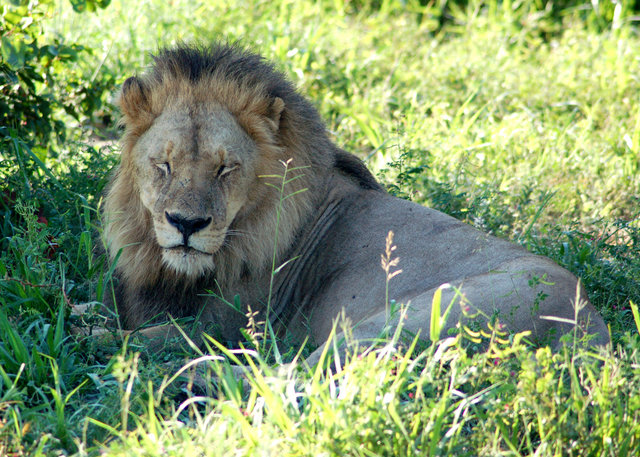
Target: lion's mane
x,y
247,86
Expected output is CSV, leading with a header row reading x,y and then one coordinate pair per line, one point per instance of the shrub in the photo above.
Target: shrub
x,y
35,88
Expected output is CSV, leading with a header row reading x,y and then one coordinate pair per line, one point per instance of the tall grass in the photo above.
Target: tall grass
x,y
390,401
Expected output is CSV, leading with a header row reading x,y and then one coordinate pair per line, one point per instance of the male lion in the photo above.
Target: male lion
x,y
202,208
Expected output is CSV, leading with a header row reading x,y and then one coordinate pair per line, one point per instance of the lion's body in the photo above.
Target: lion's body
x,y
196,201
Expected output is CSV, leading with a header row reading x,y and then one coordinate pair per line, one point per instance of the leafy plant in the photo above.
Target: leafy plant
x,y
35,88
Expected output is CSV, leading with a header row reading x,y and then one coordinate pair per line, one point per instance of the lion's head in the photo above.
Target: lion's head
x,y
195,168
207,131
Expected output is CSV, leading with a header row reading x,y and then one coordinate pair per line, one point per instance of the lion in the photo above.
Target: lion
x,y
230,197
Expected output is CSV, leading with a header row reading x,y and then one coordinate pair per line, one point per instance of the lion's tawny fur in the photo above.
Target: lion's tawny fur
x,y
195,206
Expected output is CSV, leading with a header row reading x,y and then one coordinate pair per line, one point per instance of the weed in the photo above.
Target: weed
x,y
285,179
387,263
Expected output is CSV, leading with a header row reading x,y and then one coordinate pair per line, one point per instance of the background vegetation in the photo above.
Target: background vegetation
x,y
519,117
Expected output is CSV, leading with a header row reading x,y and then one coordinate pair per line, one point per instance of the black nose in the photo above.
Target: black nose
x,y
187,226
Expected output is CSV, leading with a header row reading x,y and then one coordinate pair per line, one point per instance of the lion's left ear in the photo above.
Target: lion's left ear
x,y
133,100
275,111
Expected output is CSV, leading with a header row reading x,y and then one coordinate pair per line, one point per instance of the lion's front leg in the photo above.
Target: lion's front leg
x,y
91,323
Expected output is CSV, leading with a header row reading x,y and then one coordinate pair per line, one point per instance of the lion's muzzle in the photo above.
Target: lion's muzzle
x,y
186,226
188,243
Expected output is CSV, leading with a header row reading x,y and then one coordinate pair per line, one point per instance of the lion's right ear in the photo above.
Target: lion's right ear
x,y
275,111
133,100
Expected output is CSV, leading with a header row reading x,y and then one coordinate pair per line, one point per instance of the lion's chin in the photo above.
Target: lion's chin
x,y
188,262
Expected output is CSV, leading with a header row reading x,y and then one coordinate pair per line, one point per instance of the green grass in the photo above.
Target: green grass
x,y
521,120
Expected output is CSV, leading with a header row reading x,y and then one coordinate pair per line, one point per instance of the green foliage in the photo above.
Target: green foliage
x,y
30,276
507,400
81,6
35,85
22,105
606,258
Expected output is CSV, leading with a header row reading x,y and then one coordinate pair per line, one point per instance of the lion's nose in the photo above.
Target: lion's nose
x,y
186,226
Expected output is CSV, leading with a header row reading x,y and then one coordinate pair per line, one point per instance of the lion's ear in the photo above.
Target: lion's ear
x,y
275,111
133,100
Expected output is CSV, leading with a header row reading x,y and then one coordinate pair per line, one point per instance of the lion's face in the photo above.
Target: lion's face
x,y
194,167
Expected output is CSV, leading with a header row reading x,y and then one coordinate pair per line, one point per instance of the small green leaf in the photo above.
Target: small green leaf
x,y
12,17
237,303
636,315
13,53
79,6
435,327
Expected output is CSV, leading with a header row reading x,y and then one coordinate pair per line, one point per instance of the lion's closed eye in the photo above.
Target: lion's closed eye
x,y
164,167
226,169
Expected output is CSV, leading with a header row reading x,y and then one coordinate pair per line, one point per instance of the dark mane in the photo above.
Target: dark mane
x,y
226,61
354,167
232,62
